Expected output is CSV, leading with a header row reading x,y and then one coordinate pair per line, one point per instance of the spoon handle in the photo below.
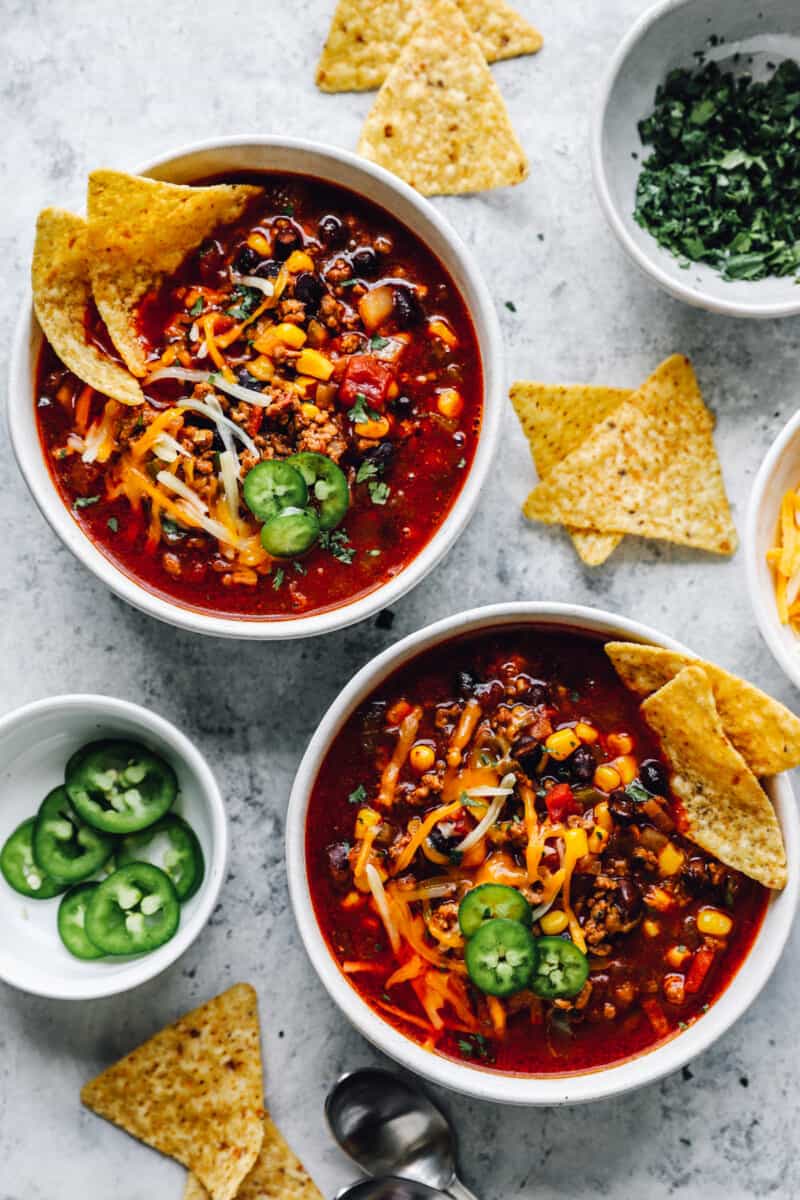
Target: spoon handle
x,y
460,1191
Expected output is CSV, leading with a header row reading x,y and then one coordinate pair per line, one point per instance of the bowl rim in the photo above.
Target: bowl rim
x,y
461,1077
483,314
767,616
697,298
139,970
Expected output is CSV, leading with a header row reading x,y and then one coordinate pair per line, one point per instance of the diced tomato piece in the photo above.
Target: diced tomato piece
x,y
560,802
701,965
365,376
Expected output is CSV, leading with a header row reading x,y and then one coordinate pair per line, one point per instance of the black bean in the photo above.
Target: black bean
x,y
285,239
489,695
339,861
445,838
308,289
628,897
622,807
654,777
465,684
529,755
247,380
582,765
365,261
407,308
246,260
403,406
267,268
332,231
381,455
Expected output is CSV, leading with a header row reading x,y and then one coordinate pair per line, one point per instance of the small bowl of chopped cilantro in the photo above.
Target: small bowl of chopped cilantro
x,y
696,152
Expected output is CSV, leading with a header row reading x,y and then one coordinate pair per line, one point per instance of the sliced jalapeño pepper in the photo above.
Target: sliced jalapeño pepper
x,y
172,845
500,957
20,869
120,787
133,911
272,486
561,969
72,922
292,532
490,900
64,846
327,485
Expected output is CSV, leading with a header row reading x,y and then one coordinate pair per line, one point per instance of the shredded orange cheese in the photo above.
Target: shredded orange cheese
x,y
425,828
391,772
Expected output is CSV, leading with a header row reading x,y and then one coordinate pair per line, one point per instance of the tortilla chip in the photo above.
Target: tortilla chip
x,y
439,121
61,295
366,37
726,810
140,231
556,420
650,468
765,732
277,1175
194,1091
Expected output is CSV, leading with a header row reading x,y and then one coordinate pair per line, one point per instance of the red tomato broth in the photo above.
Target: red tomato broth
x,y
357,935
426,473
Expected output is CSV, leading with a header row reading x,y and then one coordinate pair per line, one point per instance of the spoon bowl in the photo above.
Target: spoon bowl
x,y
389,1188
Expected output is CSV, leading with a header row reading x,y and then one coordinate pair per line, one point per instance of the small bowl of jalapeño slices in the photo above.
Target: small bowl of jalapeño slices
x,y
113,843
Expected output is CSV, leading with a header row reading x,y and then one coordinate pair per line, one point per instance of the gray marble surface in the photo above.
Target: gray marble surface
x,y
85,83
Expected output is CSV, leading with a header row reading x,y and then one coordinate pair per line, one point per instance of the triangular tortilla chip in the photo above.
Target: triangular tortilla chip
x,y
725,809
194,1091
366,37
277,1175
439,121
765,732
650,468
556,420
140,231
61,295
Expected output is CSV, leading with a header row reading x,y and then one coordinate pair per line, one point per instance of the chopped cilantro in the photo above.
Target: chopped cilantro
x,y
247,300
379,492
288,209
298,568
336,542
277,582
197,307
637,791
361,412
368,469
84,501
722,184
113,524
378,343
466,1047
358,795
511,306
172,529
462,462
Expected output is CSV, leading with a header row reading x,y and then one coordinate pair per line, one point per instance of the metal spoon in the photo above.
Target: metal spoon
x,y
390,1188
390,1127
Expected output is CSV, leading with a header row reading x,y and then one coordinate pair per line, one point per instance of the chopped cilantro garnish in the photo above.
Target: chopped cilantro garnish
x,y
378,343
369,469
113,524
247,301
84,501
337,543
358,795
379,492
298,568
361,412
511,306
197,307
288,209
172,529
466,1047
722,184
277,582
637,792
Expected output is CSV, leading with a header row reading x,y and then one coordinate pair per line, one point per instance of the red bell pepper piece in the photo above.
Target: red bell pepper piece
x,y
560,802
365,376
701,965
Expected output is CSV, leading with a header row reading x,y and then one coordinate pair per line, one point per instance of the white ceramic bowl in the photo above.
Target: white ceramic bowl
x,y
779,471
252,153
461,1077
35,743
664,38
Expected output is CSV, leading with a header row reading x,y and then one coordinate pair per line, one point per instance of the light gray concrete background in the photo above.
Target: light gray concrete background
x,y
87,83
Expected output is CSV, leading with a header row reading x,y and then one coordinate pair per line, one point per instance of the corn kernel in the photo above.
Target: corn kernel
x,y
259,243
285,333
576,842
561,744
443,331
603,817
305,385
553,923
714,923
606,779
352,900
598,840
311,362
620,743
309,410
450,402
676,956
655,897
626,767
374,429
367,818
261,368
422,757
670,860
587,733
298,260
651,928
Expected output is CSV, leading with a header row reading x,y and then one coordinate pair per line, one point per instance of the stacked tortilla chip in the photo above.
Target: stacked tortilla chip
x,y
613,462
195,1092
138,232
439,120
718,734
